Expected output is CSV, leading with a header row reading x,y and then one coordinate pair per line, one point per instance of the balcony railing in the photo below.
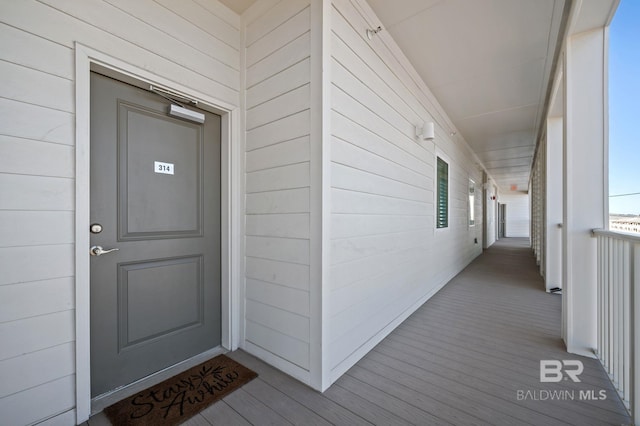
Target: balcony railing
x,y
618,312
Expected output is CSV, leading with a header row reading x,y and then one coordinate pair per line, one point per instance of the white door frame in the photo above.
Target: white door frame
x,y
88,59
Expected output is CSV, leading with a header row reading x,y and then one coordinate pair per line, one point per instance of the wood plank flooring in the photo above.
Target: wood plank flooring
x,y
469,356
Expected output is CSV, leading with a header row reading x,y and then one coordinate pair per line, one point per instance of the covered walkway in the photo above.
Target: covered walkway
x,y
469,356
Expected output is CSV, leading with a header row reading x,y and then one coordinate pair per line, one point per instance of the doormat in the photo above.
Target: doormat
x,y
183,396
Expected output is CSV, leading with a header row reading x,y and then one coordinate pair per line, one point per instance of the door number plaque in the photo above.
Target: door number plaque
x,y
163,168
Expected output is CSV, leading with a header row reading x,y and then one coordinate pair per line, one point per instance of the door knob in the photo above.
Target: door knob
x,y
99,251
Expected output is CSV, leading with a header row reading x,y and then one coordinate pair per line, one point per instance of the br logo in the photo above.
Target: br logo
x,y
552,370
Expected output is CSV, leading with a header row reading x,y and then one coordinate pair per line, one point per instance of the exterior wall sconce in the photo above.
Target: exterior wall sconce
x,y
372,32
426,132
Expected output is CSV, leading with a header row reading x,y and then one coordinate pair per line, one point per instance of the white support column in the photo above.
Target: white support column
x,y
585,171
553,246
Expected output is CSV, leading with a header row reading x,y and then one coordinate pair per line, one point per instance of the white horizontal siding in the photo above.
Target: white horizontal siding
x,y
518,221
278,225
279,178
352,155
350,226
280,12
278,155
53,363
32,157
210,17
37,333
280,344
291,324
355,202
65,22
352,271
36,263
291,127
287,104
101,15
29,228
278,185
282,33
53,295
352,179
278,202
360,248
279,249
288,55
53,398
291,78
193,42
36,122
385,253
286,274
27,192
26,49
63,419
284,298
36,87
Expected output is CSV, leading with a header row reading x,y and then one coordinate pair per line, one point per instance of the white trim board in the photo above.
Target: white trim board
x,y
88,59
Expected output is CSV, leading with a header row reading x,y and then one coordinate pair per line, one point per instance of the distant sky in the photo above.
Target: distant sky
x,y
624,108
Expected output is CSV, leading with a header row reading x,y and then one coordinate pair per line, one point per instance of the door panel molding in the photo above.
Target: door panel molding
x,y
88,59
193,227
128,335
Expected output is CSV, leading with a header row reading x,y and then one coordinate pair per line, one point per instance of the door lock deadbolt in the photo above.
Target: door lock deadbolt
x,y
95,228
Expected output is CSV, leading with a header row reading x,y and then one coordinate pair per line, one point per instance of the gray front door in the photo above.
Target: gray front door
x,y
155,194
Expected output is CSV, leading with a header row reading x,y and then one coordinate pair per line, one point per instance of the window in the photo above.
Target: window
x,y
472,203
442,213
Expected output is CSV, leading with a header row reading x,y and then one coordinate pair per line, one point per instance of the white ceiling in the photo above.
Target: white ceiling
x,y
238,6
488,62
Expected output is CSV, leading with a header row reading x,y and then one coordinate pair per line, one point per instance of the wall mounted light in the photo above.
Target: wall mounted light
x,y
372,32
426,132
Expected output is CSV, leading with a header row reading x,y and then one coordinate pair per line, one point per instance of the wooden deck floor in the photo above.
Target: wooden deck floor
x,y
469,356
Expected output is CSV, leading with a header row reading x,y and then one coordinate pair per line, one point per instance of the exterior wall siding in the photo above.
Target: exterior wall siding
x,y
518,215
194,42
386,256
277,165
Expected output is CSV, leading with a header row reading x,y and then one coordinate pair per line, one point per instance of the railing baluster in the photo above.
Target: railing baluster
x,y
600,299
605,319
626,323
610,303
616,310
620,314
